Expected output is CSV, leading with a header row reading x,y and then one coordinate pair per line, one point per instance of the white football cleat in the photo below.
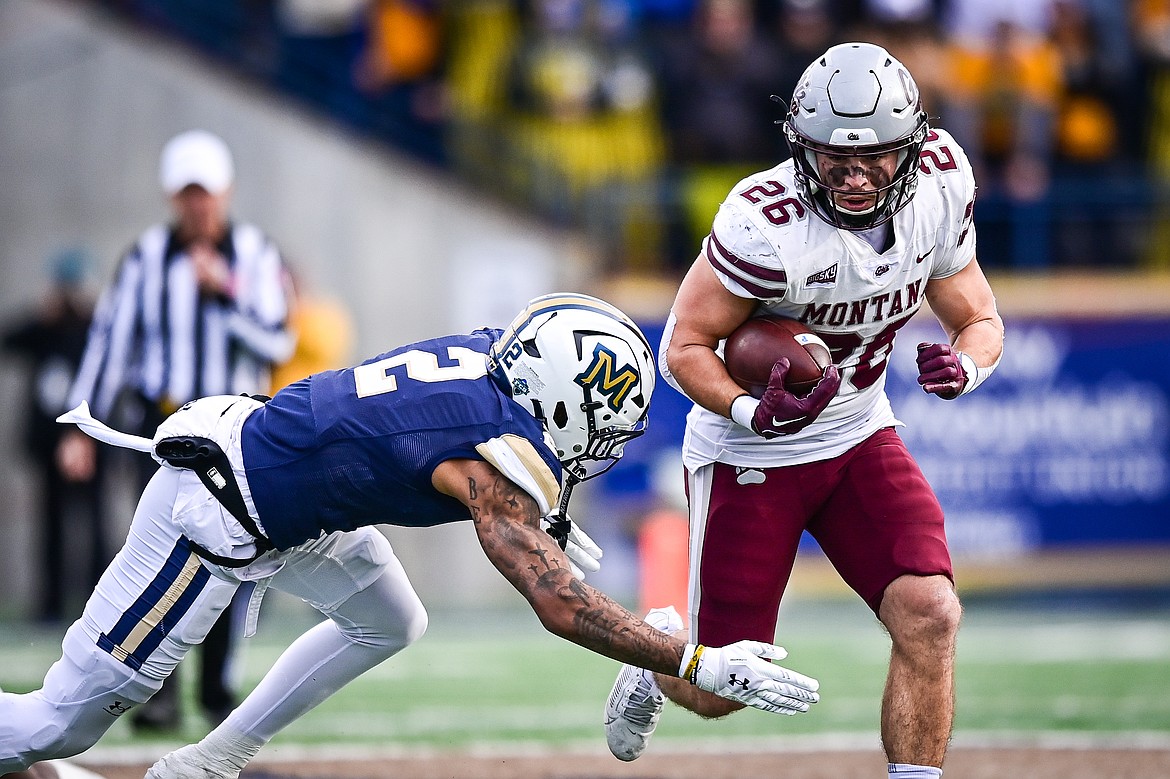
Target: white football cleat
x,y
191,762
635,703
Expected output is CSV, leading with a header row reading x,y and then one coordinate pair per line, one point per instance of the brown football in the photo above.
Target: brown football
x,y
755,346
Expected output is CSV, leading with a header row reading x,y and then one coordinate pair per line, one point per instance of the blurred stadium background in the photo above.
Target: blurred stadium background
x,y
434,164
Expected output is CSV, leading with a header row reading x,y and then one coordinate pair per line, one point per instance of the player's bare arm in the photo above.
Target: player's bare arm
x,y
507,522
705,313
965,307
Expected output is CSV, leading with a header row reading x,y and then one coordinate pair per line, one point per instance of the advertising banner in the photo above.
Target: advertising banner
x,y
1068,443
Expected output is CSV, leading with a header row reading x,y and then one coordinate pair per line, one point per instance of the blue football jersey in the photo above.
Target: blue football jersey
x,y
354,447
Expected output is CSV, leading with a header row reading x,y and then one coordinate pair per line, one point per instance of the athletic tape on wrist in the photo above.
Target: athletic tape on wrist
x,y
690,663
975,374
743,409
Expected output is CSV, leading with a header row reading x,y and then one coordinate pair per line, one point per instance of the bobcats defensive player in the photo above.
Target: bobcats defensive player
x,y
474,426
869,220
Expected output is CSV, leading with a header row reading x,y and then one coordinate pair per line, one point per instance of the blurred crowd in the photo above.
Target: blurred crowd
x,y
634,117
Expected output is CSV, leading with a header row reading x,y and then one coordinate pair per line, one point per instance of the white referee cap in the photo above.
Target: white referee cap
x,y
196,157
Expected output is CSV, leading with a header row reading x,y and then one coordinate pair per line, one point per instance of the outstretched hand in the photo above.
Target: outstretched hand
x,y
741,672
782,413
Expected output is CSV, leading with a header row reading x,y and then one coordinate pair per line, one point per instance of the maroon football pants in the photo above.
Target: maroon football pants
x,y
870,509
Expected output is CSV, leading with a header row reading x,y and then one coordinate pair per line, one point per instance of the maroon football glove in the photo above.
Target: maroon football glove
x,y
939,370
782,413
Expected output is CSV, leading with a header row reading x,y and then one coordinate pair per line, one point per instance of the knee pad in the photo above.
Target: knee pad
x,y
356,580
329,570
52,741
36,729
388,613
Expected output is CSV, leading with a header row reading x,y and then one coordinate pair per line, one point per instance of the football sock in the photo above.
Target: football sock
x,y
226,747
907,771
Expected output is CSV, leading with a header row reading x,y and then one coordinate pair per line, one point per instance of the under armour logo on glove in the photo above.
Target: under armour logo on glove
x,y
732,682
743,672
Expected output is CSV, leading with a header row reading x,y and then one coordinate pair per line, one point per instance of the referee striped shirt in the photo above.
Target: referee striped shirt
x,y
155,333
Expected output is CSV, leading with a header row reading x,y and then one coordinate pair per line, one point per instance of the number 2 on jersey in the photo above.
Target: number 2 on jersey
x,y
375,379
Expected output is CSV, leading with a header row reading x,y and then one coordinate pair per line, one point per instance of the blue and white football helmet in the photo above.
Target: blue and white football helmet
x,y
584,369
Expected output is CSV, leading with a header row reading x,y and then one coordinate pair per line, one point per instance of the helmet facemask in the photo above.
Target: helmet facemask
x,y
856,101
890,195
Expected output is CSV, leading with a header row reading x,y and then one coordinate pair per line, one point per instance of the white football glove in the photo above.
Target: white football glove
x,y
741,672
584,555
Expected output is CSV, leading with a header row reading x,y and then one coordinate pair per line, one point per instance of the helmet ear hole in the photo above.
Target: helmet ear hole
x,y
530,347
560,415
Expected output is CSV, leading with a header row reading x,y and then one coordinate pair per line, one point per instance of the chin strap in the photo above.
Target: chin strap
x,y
559,523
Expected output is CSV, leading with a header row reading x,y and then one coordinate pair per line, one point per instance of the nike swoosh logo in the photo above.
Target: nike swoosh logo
x,y
922,257
777,422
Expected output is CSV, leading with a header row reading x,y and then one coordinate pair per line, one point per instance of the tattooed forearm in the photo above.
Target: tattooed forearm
x,y
541,554
599,623
506,517
508,493
507,522
544,565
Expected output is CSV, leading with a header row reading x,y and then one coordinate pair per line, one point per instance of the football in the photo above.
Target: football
x,y
755,346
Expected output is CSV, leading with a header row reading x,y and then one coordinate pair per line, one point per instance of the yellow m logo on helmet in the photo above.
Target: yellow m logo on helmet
x,y
604,377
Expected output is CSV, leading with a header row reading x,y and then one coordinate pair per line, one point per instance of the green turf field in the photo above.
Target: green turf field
x,y
1065,665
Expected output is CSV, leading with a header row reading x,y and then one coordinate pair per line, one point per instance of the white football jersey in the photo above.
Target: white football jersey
x,y
767,245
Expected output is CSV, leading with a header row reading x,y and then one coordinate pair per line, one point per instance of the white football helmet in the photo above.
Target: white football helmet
x,y
585,370
856,100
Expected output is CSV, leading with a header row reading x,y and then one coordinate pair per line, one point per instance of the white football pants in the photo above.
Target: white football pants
x,y
157,600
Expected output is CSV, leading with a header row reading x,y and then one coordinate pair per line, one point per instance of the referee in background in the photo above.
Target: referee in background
x,y
198,307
